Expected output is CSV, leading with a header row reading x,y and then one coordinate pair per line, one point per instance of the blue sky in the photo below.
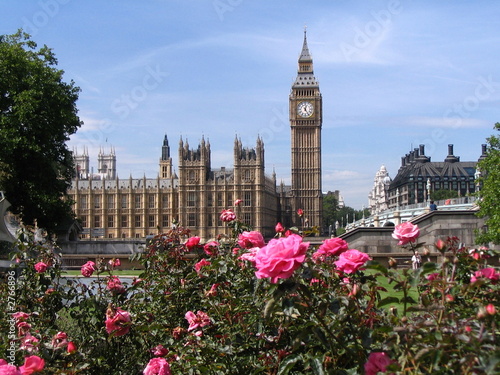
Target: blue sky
x,y
393,75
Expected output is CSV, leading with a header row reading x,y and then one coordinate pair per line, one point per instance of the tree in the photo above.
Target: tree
x,y
37,115
440,195
490,190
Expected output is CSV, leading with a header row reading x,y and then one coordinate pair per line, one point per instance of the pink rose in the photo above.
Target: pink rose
x,y
237,202
60,340
20,316
29,343
88,269
157,366
71,349
114,285
6,369
406,232
192,242
117,322
279,228
250,255
115,262
198,266
331,247
248,240
227,216
351,260
31,365
280,257
300,212
486,273
211,248
40,267
159,351
198,320
377,362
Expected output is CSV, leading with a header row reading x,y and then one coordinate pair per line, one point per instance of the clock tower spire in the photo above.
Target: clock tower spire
x,y
305,124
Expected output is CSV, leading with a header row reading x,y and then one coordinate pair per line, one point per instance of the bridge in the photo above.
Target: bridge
x,y
399,215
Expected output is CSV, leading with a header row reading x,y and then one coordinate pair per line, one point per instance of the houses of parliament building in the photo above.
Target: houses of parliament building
x,y
109,207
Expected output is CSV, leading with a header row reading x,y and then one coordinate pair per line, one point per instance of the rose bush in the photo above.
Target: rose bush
x,y
247,307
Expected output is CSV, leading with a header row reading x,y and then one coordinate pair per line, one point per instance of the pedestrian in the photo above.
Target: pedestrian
x,y
433,206
416,260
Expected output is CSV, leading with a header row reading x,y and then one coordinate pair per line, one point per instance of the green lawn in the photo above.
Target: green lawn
x,y
115,272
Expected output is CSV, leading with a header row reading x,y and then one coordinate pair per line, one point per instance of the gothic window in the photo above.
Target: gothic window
x,y
111,221
230,198
210,220
83,202
151,221
111,202
137,201
191,175
220,201
124,221
84,221
191,199
164,201
247,199
210,199
97,201
247,175
124,201
151,201
191,220
247,218
137,221
164,221
97,221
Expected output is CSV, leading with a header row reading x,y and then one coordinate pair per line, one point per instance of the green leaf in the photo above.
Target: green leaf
x,y
288,363
387,301
317,366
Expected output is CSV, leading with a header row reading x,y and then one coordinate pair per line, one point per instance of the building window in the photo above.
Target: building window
x,y
97,201
137,200
247,199
124,221
97,221
247,218
151,201
137,221
124,201
164,201
83,202
111,221
191,199
124,235
111,202
230,198
247,176
191,220
110,235
220,202
164,221
210,199
210,220
151,221
137,235
84,221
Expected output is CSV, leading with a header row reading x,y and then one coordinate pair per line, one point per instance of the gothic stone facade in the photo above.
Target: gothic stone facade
x,y
110,207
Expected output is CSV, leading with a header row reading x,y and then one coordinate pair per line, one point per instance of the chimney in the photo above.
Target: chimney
x,y
451,158
483,152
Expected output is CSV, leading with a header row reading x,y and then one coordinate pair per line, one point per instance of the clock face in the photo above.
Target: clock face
x,y
305,109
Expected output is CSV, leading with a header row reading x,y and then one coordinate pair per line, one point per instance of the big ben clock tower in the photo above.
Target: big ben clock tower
x,y
305,124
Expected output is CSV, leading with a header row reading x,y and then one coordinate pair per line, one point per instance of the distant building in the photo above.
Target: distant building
x,y
111,207
418,176
378,197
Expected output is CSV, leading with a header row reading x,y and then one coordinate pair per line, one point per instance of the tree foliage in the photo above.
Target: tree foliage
x,y
490,190
37,115
439,195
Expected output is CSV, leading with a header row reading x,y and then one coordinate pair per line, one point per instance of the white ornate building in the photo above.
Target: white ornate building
x,y
378,197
